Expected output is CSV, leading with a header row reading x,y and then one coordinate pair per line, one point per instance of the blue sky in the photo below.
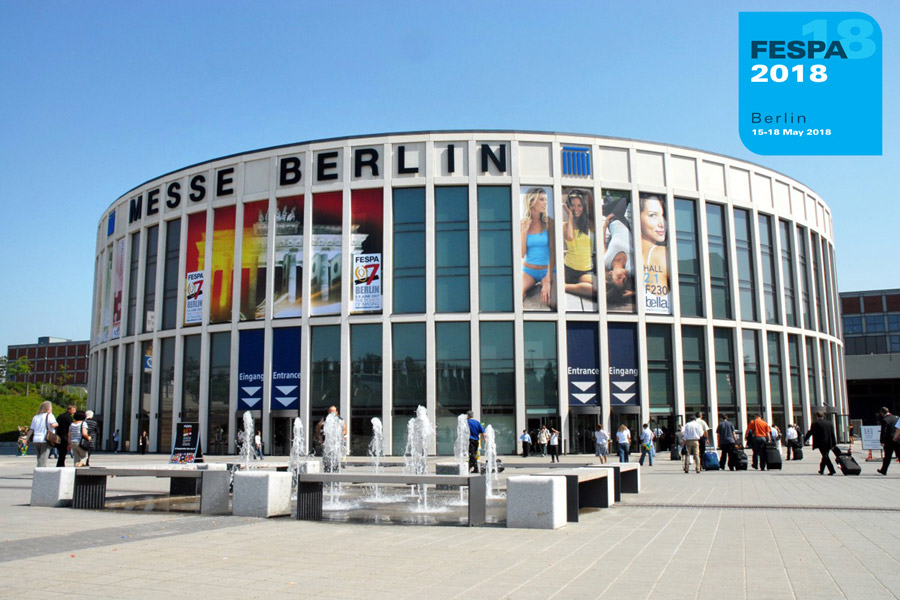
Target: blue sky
x,y
99,97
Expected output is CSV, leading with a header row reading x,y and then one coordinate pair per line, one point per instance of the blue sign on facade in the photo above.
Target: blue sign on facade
x,y
576,161
285,368
623,365
111,224
584,364
250,369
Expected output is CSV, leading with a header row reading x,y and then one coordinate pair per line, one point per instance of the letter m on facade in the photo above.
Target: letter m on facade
x,y
576,161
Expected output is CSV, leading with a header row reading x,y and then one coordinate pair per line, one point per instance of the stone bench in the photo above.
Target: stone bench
x,y
627,477
210,482
536,502
310,486
52,486
261,494
585,488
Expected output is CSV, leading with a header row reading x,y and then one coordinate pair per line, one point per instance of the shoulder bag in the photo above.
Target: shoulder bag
x,y
51,437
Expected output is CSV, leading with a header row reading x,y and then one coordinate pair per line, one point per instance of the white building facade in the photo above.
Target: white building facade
x,y
534,278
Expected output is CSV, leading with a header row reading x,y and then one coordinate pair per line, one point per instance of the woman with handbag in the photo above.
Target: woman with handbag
x,y
43,434
79,438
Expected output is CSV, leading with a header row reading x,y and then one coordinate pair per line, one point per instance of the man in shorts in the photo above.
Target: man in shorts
x,y
602,439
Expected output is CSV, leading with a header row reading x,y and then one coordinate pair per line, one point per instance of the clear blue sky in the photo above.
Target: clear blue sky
x,y
98,97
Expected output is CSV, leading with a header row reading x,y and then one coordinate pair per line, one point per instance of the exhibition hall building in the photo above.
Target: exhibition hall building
x,y
534,278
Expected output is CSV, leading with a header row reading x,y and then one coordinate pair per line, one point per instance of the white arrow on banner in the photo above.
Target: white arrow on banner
x,y
286,401
285,389
584,398
251,402
623,398
251,390
623,385
584,385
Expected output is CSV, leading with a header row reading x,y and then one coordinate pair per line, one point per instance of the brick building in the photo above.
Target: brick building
x,y
51,354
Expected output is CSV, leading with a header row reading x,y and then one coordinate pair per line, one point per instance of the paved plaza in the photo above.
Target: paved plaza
x,y
718,535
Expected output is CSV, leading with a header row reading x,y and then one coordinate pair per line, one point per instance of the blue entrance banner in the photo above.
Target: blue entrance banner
x,y
250,369
285,368
810,83
623,365
584,364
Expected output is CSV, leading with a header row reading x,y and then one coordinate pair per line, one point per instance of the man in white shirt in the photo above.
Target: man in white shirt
x,y
791,437
526,443
705,437
693,432
646,444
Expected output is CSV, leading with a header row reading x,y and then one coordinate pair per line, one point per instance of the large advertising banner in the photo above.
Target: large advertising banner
x,y
579,250
367,218
538,249
655,251
325,279
254,247
250,369
118,278
285,368
623,365
288,257
618,251
222,273
193,269
584,363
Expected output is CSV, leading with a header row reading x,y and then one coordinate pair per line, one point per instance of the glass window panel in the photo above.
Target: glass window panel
x,y
767,256
170,276
541,374
325,371
659,365
217,433
453,378
150,275
787,273
408,390
451,243
746,274
365,384
494,249
190,380
128,400
694,369
166,394
719,274
689,279
753,392
409,250
132,281
726,393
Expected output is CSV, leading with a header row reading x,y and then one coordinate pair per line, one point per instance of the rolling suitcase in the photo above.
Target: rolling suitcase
x,y
740,460
797,453
773,457
848,464
710,461
674,452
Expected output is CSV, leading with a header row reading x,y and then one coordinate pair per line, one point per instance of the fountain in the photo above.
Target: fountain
x,y
376,450
461,447
419,433
333,451
247,443
298,450
491,474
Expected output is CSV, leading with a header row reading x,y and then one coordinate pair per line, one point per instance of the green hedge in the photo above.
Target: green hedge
x,y
17,411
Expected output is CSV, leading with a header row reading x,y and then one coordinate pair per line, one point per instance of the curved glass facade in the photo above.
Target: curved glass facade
x,y
534,278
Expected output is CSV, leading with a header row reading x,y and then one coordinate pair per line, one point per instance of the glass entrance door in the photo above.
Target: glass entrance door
x,y
630,420
581,433
281,436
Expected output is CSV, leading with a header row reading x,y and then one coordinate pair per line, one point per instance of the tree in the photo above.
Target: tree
x,y
3,363
21,366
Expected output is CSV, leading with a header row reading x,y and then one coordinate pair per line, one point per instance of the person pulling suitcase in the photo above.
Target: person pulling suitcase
x,y
824,440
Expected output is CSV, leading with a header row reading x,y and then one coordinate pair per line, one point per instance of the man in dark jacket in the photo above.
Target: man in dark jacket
x,y
888,435
62,429
822,433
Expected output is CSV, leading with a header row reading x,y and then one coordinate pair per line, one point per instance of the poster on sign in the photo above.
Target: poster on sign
x,y
366,283
871,437
193,298
187,444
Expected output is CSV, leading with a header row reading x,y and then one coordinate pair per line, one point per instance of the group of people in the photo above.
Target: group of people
x,y
547,440
72,431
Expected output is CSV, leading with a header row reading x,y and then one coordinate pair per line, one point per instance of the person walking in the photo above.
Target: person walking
x,y
41,424
257,445
543,439
554,445
725,433
63,421
889,438
93,434
144,442
824,440
601,448
791,440
623,437
758,432
647,438
476,433
526,443
79,438
116,442
693,432
705,438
